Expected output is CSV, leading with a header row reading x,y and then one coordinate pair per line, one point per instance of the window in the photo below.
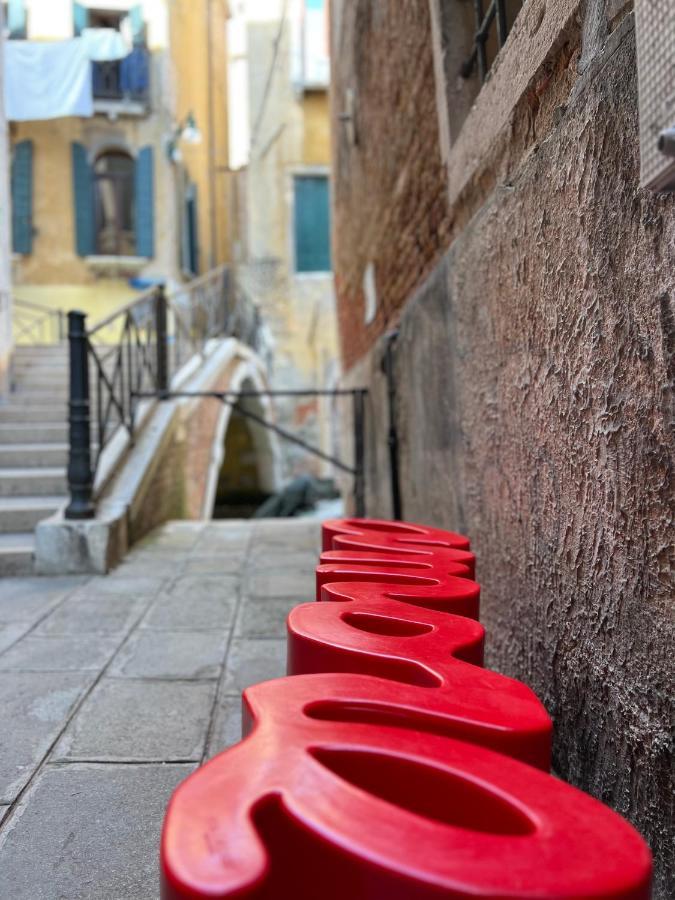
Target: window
x,y
492,27
15,19
120,79
311,215
114,202
114,207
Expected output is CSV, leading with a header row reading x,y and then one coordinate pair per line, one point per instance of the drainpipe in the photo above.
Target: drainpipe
x,y
5,235
213,223
392,436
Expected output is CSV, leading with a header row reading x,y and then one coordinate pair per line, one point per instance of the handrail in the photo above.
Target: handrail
x,y
43,323
135,362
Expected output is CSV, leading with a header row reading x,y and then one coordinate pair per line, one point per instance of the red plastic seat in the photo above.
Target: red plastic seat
x,y
349,565
399,537
311,806
423,652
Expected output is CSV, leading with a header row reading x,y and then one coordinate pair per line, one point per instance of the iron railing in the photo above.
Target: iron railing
x,y
37,323
132,354
497,14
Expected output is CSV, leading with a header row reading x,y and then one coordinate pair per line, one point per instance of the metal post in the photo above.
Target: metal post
x,y
359,453
162,343
392,436
80,475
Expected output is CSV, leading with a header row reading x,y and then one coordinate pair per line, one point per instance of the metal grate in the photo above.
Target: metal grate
x,y
655,38
491,24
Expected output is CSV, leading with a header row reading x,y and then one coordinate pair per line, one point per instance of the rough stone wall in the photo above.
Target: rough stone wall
x,y
536,385
390,204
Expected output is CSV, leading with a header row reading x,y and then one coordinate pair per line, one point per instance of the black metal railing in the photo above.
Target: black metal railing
x,y
35,323
131,355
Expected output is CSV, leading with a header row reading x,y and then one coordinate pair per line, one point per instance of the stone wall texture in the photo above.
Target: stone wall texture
x,y
535,403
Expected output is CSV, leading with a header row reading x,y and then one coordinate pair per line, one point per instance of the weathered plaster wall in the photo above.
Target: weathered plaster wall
x,y
536,383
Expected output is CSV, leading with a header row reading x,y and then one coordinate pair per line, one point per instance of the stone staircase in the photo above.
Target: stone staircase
x,y
33,450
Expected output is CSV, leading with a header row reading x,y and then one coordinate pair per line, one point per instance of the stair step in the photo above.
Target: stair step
x,y
12,455
49,433
16,554
21,514
32,482
16,412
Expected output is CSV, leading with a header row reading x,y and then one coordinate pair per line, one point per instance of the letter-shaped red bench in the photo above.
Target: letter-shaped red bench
x,y
317,802
379,776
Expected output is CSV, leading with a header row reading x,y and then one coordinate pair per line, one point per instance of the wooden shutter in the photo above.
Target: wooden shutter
x,y
22,198
312,224
16,18
145,203
83,197
137,25
80,18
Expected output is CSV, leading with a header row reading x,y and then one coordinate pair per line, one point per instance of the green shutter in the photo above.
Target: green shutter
x,y
312,224
145,203
137,25
22,198
80,18
16,18
83,196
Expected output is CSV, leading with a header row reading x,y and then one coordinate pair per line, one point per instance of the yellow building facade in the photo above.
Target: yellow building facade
x,y
136,192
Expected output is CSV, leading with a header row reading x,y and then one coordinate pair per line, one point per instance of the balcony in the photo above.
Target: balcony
x,y
122,87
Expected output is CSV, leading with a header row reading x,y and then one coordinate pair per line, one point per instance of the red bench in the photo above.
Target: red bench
x,y
390,764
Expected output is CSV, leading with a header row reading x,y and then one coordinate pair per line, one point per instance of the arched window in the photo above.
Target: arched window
x,y
115,206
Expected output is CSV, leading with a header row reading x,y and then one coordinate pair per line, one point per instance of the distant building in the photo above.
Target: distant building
x,y
137,187
279,77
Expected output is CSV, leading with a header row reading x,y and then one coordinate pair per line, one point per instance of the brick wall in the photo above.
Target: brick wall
x,y
389,189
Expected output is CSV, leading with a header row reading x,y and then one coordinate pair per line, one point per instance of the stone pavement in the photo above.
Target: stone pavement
x,y
113,689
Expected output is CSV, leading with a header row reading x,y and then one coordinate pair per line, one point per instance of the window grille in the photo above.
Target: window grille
x,y
492,29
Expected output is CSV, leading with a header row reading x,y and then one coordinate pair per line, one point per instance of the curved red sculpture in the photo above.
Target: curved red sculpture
x,y
391,765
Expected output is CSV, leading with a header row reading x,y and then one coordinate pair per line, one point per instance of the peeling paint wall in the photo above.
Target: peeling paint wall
x,y
536,391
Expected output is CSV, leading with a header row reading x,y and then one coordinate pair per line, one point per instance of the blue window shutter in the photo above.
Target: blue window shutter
x,y
80,18
83,196
137,25
145,203
312,224
22,198
16,18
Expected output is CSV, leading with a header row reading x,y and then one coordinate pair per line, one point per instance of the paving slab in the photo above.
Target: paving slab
x,y
61,653
171,654
109,614
263,558
87,832
27,599
226,725
134,586
140,720
251,661
221,564
11,632
196,604
34,708
264,617
281,583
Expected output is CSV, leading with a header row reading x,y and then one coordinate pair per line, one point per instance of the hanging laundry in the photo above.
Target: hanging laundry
x,y
47,80
105,44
